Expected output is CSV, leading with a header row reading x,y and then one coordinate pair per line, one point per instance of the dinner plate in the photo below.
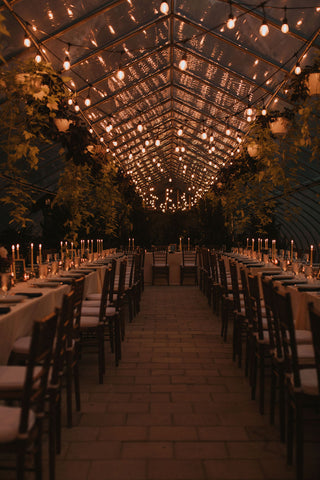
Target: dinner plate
x,y
45,285
29,294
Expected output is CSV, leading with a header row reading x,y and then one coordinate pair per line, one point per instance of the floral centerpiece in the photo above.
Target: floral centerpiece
x,y
4,260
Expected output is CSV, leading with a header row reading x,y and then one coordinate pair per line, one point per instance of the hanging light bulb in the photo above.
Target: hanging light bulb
x,y
130,155
285,26
157,142
249,118
297,69
26,41
143,150
101,139
228,131
264,111
120,74
147,143
249,110
180,132
38,58
231,19
91,130
115,143
140,127
213,148
109,127
66,63
87,101
183,149
183,62
239,139
204,134
211,138
76,107
164,8
264,29
177,149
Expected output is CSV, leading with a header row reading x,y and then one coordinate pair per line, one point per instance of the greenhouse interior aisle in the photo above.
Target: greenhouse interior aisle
x,y
175,408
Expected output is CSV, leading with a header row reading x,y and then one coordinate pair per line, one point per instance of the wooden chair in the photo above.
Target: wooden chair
x,y
21,427
240,320
189,266
301,384
160,267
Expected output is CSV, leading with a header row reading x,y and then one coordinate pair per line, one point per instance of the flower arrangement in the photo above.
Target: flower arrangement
x,y
4,261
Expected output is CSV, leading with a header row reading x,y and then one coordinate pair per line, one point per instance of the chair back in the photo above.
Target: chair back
x,y
40,353
254,292
314,316
63,337
272,320
214,267
112,277
189,258
122,283
285,316
246,296
104,294
235,286
223,276
78,287
160,257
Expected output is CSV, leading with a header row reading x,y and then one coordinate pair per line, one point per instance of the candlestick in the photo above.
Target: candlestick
x,y
40,254
311,255
13,252
31,246
18,251
291,251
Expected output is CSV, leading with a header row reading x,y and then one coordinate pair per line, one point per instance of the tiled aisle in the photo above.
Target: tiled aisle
x,y
175,409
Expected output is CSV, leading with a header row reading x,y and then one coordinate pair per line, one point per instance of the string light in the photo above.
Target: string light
x,y
228,131
183,63
285,26
264,111
87,101
180,131
70,101
231,19
140,127
297,69
38,58
120,74
164,8
204,134
66,63
76,107
157,142
249,110
264,29
27,41
239,139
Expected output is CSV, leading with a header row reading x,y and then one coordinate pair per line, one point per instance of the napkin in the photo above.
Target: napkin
x,y
30,294
309,288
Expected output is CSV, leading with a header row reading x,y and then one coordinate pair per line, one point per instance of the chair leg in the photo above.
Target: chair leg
x,y
282,406
58,425
76,379
69,358
52,435
290,419
38,453
20,463
100,341
299,441
273,388
261,380
254,377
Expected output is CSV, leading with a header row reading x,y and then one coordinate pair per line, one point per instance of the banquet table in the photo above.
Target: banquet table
x,y
19,320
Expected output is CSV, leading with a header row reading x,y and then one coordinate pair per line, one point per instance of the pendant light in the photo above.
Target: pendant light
x,y
164,8
231,19
120,74
27,41
140,127
264,29
183,62
66,63
285,26
87,101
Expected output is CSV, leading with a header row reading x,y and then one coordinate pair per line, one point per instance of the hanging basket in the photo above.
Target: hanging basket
x,y
253,150
313,83
279,126
62,124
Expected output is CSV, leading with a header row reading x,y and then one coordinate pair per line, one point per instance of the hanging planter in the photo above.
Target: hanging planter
x,y
313,83
62,124
279,126
253,150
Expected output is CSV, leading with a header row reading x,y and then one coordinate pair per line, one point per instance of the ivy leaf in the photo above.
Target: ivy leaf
x,y
52,105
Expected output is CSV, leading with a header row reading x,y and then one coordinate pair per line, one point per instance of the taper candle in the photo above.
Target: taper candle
x,y
188,243
291,251
311,255
40,253
18,251
13,248
31,258
252,244
61,250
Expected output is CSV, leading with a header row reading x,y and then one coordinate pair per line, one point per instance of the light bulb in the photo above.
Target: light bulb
x,y
164,8
297,69
147,143
38,58
183,149
264,111
143,150
70,101
109,127
140,127
115,143
228,131
284,26
249,111
130,155
231,21
213,148
249,118
211,138
120,74
91,130
27,41
204,135
264,29
66,63
157,142
183,63
101,139
180,132
239,139
87,102
177,149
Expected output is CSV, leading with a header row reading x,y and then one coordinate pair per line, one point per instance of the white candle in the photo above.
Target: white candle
x,y
31,246
247,243
61,248
13,252
188,243
266,244
258,245
133,244
180,245
91,246
71,250
291,251
253,244
129,243
311,255
18,251
40,255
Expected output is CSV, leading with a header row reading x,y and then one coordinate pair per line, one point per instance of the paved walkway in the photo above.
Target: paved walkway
x,y
176,408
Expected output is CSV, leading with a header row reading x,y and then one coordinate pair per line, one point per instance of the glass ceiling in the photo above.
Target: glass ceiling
x,y
226,69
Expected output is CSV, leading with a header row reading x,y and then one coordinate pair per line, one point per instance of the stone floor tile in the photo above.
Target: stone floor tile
x,y
147,450
200,450
99,450
173,433
178,469
124,433
123,469
219,433
230,469
149,419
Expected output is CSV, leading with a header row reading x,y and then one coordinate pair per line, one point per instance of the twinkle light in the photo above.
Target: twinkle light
x,y
297,69
120,74
87,101
264,111
140,127
27,41
231,19
284,25
249,110
101,139
66,63
164,8
183,149
157,142
264,29
204,134
70,101
180,132
38,58
183,63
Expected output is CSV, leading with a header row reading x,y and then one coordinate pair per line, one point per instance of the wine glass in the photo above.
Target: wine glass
x,y
6,283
